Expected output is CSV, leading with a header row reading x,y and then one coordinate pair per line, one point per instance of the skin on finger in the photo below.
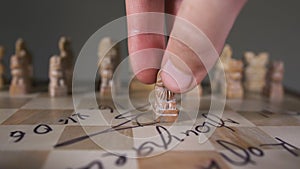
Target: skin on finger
x,y
215,19
145,41
185,61
171,7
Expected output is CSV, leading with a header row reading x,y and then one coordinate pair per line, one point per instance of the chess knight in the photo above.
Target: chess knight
x,y
21,49
165,102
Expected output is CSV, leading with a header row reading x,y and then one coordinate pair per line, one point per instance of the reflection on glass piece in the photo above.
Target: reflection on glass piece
x,y
165,102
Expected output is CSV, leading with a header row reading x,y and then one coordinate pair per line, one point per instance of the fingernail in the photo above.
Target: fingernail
x,y
175,79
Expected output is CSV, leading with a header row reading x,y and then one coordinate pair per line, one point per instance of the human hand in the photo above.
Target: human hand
x,y
214,18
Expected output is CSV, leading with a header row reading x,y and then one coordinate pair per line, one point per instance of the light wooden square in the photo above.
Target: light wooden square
x,y
23,159
182,159
263,118
242,136
114,140
50,103
36,116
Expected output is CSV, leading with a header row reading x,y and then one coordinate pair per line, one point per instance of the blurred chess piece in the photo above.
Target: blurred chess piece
x,y
106,74
165,102
57,85
108,49
200,89
66,53
108,58
274,88
2,68
20,83
217,82
255,71
20,47
233,74
232,70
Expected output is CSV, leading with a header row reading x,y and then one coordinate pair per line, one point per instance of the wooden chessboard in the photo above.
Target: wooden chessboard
x,y
38,131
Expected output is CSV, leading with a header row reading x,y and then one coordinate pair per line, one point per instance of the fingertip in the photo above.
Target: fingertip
x,y
176,80
145,42
170,83
147,76
146,52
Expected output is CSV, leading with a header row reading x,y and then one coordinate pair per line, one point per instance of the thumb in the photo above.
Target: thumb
x,y
197,38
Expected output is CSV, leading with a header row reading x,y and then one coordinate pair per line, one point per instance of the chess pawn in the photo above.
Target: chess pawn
x,y
196,92
108,57
274,89
57,85
66,53
2,68
20,83
20,47
217,83
64,46
106,74
234,89
226,56
165,102
200,89
255,71
107,49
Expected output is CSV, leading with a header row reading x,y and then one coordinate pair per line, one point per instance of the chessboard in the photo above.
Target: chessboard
x,y
39,131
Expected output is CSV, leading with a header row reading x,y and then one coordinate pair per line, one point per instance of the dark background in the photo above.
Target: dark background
x,y
269,25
